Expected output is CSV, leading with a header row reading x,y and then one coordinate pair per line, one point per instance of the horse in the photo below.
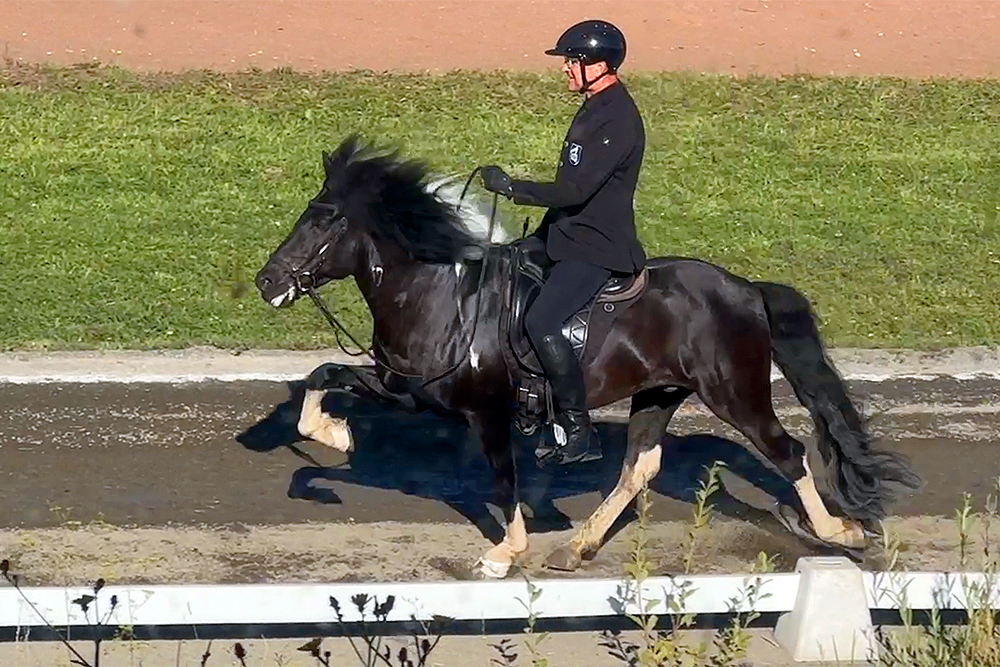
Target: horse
x,y
445,291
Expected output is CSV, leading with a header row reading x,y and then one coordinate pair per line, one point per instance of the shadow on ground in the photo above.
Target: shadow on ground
x,y
437,458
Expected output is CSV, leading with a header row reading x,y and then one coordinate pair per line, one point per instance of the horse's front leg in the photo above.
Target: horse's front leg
x,y
493,428
318,425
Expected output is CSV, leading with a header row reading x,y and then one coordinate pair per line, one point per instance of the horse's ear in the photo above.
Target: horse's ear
x,y
348,147
327,162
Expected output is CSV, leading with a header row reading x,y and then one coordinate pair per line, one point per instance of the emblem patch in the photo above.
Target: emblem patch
x,y
574,153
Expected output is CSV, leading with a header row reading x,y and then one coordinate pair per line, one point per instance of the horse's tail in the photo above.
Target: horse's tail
x,y
858,473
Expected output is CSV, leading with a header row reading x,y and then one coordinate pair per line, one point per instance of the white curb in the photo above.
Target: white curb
x,y
209,364
479,601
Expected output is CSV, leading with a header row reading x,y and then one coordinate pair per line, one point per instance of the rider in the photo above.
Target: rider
x,y
589,228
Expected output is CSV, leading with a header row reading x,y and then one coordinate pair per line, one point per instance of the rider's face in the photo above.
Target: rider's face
x,y
574,72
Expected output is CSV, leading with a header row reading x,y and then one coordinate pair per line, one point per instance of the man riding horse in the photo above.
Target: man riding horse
x,y
589,228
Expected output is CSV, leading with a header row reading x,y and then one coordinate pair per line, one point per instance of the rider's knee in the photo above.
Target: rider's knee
x,y
536,325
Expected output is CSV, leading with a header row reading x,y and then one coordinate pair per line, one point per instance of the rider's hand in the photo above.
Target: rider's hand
x,y
495,180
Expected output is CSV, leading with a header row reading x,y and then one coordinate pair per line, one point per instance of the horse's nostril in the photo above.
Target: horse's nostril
x,y
265,281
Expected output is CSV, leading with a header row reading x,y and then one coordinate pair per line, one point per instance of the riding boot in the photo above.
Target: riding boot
x,y
570,398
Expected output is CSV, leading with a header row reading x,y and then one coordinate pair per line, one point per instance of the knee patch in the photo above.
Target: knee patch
x,y
536,325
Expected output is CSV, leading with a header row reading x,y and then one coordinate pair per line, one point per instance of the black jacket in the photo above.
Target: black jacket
x,y
590,216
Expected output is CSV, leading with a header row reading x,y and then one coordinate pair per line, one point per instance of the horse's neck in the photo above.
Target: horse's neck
x,y
415,310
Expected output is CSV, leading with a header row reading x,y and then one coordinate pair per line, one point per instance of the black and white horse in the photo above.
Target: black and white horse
x,y
440,298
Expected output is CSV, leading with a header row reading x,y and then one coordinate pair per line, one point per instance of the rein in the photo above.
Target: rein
x,y
305,283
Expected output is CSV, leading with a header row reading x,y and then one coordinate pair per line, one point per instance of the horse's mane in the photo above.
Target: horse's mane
x,y
395,200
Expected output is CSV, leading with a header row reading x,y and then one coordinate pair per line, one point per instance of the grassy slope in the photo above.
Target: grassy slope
x,y
135,209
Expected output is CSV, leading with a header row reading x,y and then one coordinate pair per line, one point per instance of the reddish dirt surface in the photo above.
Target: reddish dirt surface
x,y
913,38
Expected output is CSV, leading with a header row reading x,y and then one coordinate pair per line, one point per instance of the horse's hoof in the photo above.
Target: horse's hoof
x,y
797,525
335,434
564,558
490,569
854,536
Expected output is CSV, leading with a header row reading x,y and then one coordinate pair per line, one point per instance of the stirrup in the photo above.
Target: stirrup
x,y
590,451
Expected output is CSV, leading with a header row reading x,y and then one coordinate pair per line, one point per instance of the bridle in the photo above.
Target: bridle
x,y
303,277
306,283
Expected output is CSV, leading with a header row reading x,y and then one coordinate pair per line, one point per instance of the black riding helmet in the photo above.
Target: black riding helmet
x,y
592,42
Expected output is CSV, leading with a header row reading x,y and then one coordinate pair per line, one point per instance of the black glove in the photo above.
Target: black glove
x,y
495,180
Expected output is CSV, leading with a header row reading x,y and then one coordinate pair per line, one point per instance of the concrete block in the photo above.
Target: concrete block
x,y
831,620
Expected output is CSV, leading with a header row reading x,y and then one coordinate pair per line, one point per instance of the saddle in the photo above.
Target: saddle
x,y
528,268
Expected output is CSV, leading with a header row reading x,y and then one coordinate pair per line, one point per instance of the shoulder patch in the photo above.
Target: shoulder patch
x,y
575,150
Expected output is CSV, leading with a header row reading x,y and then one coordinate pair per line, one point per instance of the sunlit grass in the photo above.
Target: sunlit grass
x,y
136,208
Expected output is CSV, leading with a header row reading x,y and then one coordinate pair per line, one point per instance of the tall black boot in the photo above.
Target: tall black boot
x,y
570,398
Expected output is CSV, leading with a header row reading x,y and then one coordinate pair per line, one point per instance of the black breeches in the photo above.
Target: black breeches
x,y
570,286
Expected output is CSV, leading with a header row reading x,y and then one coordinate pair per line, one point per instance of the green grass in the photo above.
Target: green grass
x,y
135,209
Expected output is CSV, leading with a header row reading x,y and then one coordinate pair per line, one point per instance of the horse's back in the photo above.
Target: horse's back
x,y
695,275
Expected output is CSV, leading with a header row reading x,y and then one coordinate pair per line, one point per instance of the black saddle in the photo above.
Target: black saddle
x,y
585,330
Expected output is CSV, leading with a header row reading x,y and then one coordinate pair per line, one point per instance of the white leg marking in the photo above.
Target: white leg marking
x,y
321,427
833,529
635,472
497,561
647,464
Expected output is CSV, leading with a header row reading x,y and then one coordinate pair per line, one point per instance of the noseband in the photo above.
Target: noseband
x,y
305,283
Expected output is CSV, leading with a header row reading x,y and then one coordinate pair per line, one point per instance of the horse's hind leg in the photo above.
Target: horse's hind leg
x,y
744,401
650,413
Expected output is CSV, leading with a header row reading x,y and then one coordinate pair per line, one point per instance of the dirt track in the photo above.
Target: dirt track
x,y
196,482
854,37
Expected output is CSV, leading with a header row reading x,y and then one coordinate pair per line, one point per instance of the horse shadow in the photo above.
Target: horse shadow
x,y
436,457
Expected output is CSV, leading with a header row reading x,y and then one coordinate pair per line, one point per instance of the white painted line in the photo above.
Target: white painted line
x,y
208,364
461,600
165,367
700,410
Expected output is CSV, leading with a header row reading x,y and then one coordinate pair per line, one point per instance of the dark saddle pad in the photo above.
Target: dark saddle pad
x,y
586,329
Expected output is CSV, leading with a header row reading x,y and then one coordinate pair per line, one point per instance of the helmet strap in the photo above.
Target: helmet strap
x,y
584,84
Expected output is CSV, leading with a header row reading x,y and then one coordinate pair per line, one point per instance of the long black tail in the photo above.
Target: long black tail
x,y
858,473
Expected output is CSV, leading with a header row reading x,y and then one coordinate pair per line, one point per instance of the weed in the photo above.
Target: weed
x,y
976,643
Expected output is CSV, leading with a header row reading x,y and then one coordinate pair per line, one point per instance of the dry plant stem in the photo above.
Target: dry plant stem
x,y
12,580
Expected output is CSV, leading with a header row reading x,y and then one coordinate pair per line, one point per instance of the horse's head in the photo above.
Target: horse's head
x,y
369,200
326,240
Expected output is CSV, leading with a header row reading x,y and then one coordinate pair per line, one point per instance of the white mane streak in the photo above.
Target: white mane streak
x,y
473,212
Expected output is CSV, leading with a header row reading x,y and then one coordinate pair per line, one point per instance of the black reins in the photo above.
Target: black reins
x,y
305,282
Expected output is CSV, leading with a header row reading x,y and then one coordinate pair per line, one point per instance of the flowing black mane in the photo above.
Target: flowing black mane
x,y
390,197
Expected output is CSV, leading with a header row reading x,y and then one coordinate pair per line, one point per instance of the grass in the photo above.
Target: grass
x,y
136,208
